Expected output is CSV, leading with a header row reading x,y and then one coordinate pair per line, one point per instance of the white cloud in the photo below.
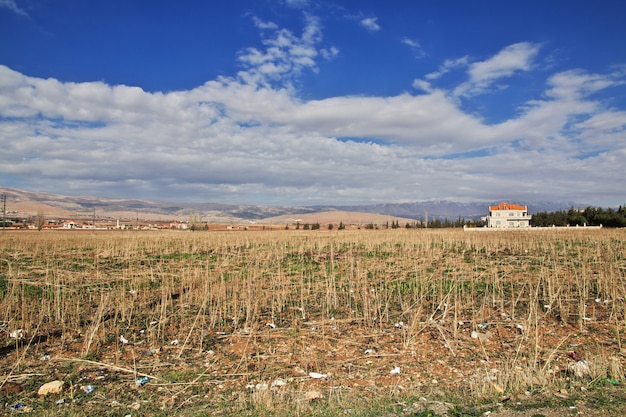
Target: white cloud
x,y
447,66
250,138
285,55
510,60
264,25
415,47
370,24
575,84
12,5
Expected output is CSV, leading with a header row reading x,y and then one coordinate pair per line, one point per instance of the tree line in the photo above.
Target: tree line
x,y
590,216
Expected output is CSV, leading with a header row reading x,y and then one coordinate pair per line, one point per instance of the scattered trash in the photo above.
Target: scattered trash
x,y
498,388
316,375
174,342
261,386
17,334
142,381
368,351
278,383
575,356
313,395
45,358
88,389
54,387
123,340
610,381
483,326
16,406
520,328
395,371
580,369
482,337
153,322
271,325
399,325
60,401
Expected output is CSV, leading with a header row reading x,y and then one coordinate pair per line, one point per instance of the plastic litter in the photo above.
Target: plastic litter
x,y
174,342
610,381
395,371
17,334
316,375
88,389
123,340
278,383
16,406
141,381
580,369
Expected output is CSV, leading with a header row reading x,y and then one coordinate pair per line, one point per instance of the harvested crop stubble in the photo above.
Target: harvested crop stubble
x,y
206,315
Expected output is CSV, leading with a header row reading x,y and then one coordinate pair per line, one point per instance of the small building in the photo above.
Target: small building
x,y
508,216
70,224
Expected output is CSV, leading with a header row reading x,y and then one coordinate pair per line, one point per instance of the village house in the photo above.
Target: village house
x,y
70,224
508,216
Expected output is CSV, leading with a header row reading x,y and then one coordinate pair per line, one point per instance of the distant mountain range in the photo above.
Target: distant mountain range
x,y
21,202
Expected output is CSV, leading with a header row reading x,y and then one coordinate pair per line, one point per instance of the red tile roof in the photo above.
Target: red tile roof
x,y
507,206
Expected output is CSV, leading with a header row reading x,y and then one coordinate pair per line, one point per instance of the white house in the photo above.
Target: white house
x,y
70,224
508,216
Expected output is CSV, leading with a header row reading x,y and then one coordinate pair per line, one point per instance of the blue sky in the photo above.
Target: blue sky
x,y
304,102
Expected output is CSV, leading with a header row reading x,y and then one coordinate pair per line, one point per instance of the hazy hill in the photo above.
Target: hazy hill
x,y
53,205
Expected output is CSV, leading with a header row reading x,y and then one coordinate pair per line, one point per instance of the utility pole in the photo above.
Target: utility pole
x,y
94,220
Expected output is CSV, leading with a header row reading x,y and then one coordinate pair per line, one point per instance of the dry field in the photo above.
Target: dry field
x,y
398,322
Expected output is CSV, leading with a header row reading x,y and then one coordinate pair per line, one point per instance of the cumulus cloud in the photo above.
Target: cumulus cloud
x,y
510,60
285,54
370,24
250,138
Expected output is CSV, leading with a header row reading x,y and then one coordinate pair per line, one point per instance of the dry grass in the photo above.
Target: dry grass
x,y
209,313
